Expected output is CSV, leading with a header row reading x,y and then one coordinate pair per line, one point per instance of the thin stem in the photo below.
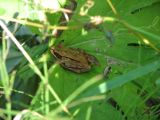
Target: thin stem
x,y
33,24
145,40
46,88
33,65
112,7
78,91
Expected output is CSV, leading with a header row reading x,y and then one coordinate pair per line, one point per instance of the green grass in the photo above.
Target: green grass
x,y
34,86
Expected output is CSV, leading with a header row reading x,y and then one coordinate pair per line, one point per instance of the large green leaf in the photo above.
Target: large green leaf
x,y
124,56
94,42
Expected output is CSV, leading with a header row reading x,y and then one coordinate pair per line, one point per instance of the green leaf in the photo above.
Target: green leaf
x,y
123,79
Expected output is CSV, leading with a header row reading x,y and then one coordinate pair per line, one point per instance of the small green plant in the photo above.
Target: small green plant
x,y
122,35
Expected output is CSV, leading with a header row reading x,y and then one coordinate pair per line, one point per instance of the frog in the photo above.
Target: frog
x,y
74,59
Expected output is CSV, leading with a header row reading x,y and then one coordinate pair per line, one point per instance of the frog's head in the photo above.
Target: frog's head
x,y
56,51
52,50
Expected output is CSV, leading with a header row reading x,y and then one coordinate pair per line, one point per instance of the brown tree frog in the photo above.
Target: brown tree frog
x,y
76,60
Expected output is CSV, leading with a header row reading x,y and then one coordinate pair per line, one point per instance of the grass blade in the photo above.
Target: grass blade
x,y
123,79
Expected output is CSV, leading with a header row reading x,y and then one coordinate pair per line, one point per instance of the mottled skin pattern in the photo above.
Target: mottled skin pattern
x,y
75,60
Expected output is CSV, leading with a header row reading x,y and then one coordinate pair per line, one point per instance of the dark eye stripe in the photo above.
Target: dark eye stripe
x,y
57,55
